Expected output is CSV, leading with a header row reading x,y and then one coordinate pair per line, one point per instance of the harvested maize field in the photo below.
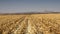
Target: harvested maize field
x,y
30,24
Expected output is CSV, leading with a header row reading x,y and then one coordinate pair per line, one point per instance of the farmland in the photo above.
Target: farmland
x,y
30,24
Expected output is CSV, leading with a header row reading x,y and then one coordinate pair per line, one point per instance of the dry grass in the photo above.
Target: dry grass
x,y
30,24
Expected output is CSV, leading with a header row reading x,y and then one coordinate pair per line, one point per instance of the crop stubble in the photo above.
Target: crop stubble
x,y
30,24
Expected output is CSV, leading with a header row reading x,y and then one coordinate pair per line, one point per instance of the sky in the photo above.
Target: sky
x,y
21,6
